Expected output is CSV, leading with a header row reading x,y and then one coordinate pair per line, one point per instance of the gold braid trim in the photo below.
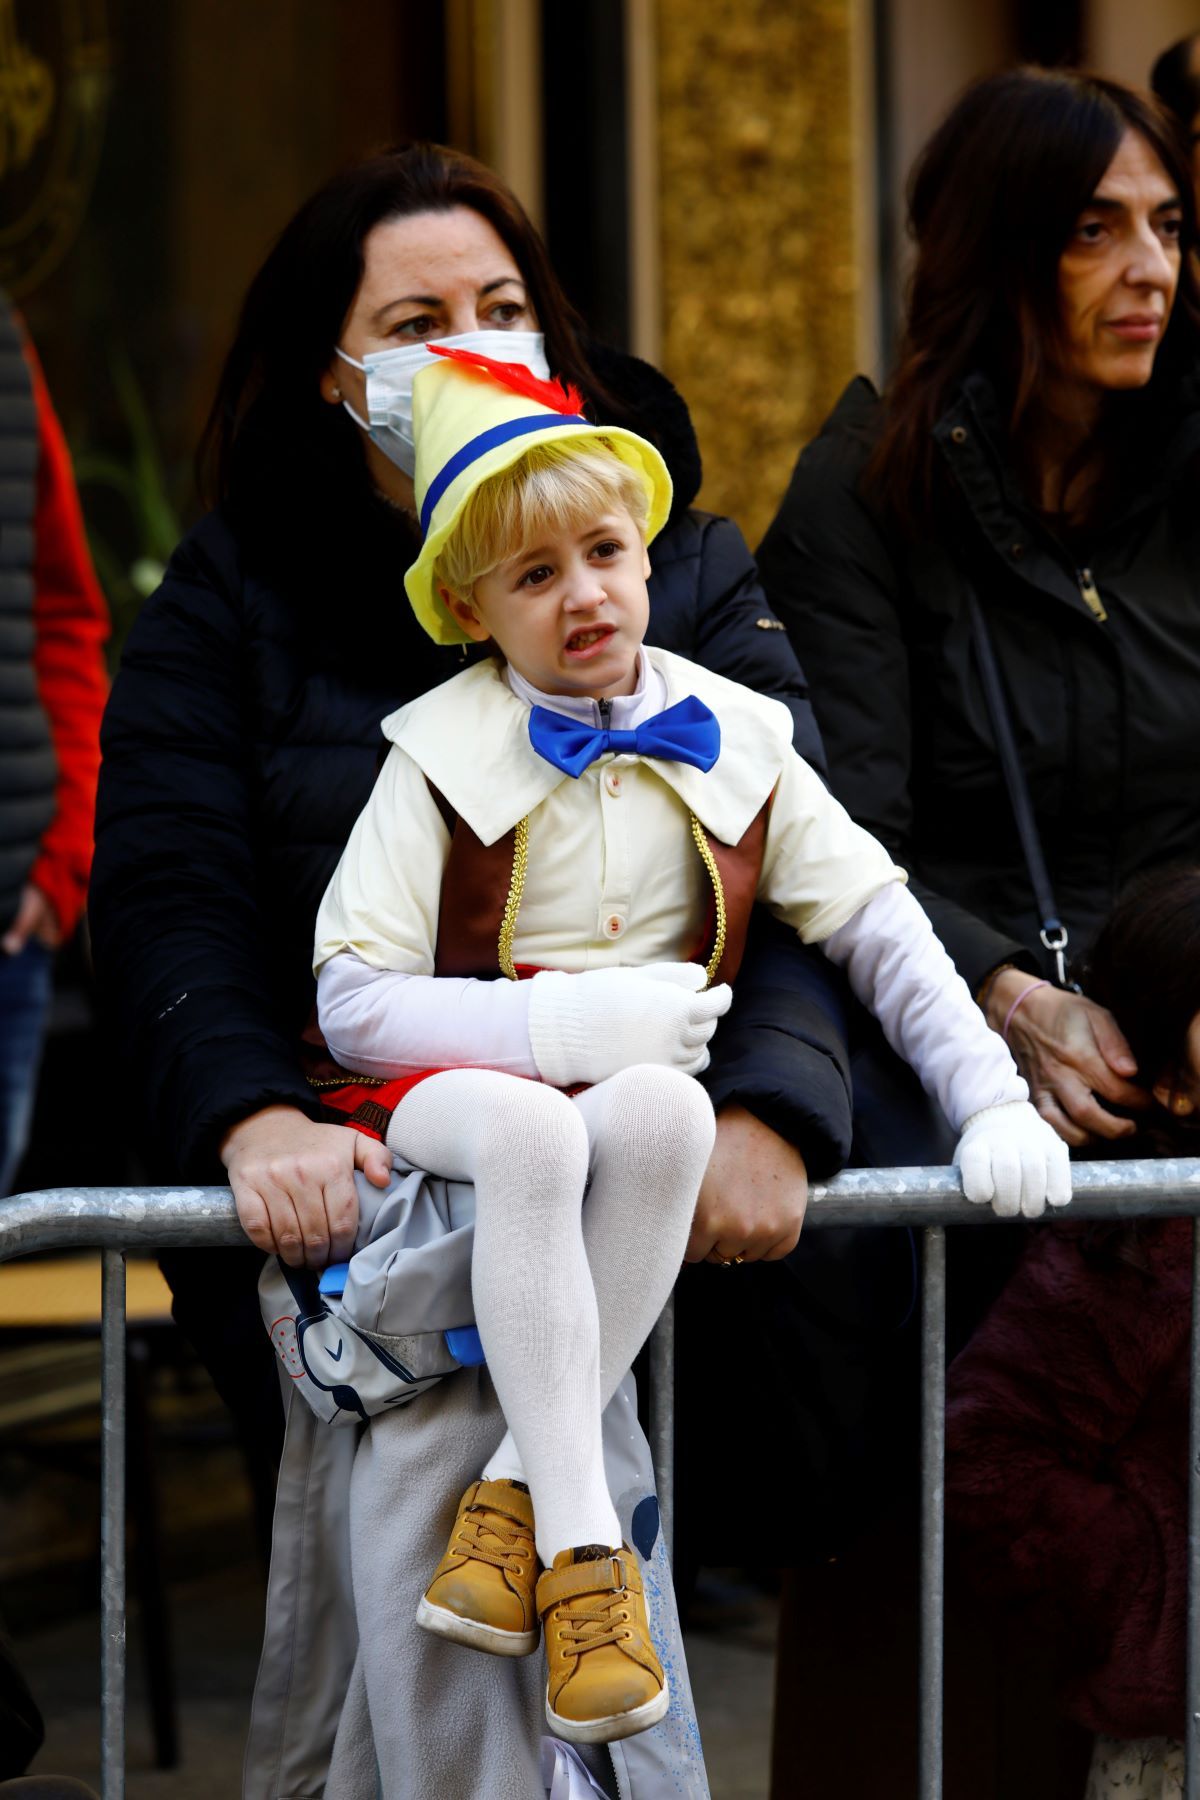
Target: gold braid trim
x,y
714,875
516,888
512,905
350,1080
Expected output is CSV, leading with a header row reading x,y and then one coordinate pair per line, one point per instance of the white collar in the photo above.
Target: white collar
x,y
627,711
470,737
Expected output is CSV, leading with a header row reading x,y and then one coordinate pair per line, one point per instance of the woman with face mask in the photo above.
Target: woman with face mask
x,y
243,736
1027,482
243,732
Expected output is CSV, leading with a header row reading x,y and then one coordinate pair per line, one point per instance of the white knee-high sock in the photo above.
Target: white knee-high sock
x,y
525,1147
651,1133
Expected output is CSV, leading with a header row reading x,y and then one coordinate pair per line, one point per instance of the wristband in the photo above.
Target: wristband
x,y
1023,995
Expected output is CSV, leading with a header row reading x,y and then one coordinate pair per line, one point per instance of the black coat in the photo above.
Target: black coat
x,y
242,739
27,763
1106,712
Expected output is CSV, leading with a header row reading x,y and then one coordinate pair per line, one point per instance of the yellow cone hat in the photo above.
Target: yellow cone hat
x,y
473,417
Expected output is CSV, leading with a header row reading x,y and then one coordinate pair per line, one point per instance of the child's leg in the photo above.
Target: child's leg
x,y
525,1147
651,1131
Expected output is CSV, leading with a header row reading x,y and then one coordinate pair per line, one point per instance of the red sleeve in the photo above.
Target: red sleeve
x,y
71,625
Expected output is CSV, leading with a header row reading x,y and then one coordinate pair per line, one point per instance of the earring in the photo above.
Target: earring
x,y
337,393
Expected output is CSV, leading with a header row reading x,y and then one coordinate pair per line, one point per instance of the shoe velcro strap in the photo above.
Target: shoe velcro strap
x,y
599,1577
500,1497
630,1571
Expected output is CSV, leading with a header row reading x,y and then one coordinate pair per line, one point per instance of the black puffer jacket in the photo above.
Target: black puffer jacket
x,y
1106,710
242,739
27,765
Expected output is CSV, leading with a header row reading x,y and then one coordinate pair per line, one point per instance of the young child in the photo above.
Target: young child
x,y
598,817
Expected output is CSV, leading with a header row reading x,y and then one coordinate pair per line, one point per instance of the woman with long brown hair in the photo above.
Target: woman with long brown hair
x,y
241,743
1023,496
1036,448
243,734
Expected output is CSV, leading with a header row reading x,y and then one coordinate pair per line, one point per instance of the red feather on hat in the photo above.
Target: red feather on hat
x,y
554,394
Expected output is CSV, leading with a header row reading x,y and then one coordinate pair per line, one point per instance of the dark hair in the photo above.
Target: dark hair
x,y
1176,82
1145,968
992,201
294,310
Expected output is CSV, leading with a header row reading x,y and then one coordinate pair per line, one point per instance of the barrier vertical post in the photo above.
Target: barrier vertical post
x,y
112,1527
662,1419
1191,1774
933,1480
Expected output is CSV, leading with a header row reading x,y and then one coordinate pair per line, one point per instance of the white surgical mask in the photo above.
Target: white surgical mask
x,y
390,375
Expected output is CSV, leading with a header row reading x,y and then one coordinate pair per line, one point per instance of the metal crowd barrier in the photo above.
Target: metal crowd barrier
x,y
120,1219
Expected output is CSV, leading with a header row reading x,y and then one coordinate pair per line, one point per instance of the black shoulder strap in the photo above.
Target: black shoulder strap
x,y
1053,932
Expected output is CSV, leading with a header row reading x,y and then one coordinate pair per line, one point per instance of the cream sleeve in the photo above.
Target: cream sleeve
x,y
382,903
819,867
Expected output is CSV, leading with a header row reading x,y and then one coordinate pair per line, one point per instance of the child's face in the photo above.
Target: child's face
x,y
569,613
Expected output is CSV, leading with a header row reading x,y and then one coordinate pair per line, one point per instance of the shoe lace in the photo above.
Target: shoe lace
x,y
511,1536
584,1628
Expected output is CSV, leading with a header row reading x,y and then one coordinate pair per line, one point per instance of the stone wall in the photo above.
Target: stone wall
x,y
758,196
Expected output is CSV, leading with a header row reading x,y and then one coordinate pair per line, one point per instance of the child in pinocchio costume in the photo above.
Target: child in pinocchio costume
x,y
597,816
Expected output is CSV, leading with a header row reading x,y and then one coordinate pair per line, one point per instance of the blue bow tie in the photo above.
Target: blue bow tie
x,y
686,732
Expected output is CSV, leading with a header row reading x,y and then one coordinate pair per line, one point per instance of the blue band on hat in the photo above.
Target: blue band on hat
x,y
479,446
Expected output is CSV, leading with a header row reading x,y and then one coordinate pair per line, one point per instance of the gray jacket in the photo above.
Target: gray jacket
x,y
354,1701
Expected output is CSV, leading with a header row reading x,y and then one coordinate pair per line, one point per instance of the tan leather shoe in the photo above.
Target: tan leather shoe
x,y
604,1680
482,1593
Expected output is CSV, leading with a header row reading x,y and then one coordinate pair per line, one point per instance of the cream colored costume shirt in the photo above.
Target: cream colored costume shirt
x,y
614,878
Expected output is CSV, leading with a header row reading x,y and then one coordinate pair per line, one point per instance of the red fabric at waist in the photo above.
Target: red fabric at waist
x,y
367,1106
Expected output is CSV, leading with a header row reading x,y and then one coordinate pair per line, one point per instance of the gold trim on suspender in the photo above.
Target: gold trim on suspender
x,y
512,905
714,875
516,888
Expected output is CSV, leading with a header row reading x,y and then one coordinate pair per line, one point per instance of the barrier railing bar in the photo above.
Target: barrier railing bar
x,y
164,1218
930,1678
112,1526
1191,1771
143,1219
118,1218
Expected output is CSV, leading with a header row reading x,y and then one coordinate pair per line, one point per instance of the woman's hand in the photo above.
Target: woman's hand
x,y
293,1182
1069,1050
36,918
753,1195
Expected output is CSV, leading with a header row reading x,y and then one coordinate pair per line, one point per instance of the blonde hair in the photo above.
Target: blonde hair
x,y
553,488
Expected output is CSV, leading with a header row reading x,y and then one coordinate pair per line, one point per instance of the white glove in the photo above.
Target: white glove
x,y
587,1027
1010,1156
